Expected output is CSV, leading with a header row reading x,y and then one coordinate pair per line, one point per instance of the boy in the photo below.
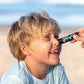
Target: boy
x,y
33,42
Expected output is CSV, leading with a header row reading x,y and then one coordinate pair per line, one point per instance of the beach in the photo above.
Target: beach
x,y
71,57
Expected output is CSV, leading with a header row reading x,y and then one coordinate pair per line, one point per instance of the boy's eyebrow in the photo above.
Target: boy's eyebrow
x,y
54,33
46,34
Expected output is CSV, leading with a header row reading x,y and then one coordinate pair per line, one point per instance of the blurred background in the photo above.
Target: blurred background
x,y
70,16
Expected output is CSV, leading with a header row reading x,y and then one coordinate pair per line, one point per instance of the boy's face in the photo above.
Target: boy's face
x,y
46,49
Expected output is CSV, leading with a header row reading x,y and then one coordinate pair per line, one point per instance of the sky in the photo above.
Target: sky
x,y
81,2
75,18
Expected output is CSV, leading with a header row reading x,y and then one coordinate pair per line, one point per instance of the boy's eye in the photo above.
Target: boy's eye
x,y
47,37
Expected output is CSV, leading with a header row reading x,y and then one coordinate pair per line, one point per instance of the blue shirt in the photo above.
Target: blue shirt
x,y
19,74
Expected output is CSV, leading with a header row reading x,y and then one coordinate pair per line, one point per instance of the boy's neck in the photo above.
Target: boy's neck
x,y
39,70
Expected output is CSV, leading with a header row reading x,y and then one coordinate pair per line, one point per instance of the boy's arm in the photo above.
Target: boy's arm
x,y
12,80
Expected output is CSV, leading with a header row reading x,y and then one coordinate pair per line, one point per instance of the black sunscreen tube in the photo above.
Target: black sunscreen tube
x,y
67,38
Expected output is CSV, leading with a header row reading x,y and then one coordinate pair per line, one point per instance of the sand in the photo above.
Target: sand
x,y
72,57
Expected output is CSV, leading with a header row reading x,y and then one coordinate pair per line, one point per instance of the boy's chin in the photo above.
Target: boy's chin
x,y
56,62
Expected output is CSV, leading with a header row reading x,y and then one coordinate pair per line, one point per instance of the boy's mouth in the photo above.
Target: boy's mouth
x,y
55,52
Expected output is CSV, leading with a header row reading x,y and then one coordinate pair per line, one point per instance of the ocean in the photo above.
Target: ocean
x,y
64,14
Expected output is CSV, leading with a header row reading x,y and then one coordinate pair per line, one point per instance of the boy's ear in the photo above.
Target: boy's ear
x,y
24,48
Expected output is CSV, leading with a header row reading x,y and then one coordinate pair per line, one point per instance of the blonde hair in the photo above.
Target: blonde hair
x,y
29,27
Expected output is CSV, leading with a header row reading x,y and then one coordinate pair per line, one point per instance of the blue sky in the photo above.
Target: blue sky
x,y
73,17
44,1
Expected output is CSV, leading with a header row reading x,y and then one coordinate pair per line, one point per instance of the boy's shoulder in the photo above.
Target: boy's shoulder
x,y
17,70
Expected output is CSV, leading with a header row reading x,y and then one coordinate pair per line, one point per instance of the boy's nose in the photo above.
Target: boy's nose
x,y
55,42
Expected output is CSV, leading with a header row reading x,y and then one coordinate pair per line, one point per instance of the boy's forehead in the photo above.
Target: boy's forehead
x,y
49,30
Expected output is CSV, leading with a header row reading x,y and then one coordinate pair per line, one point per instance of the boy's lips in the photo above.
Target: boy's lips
x,y
55,51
